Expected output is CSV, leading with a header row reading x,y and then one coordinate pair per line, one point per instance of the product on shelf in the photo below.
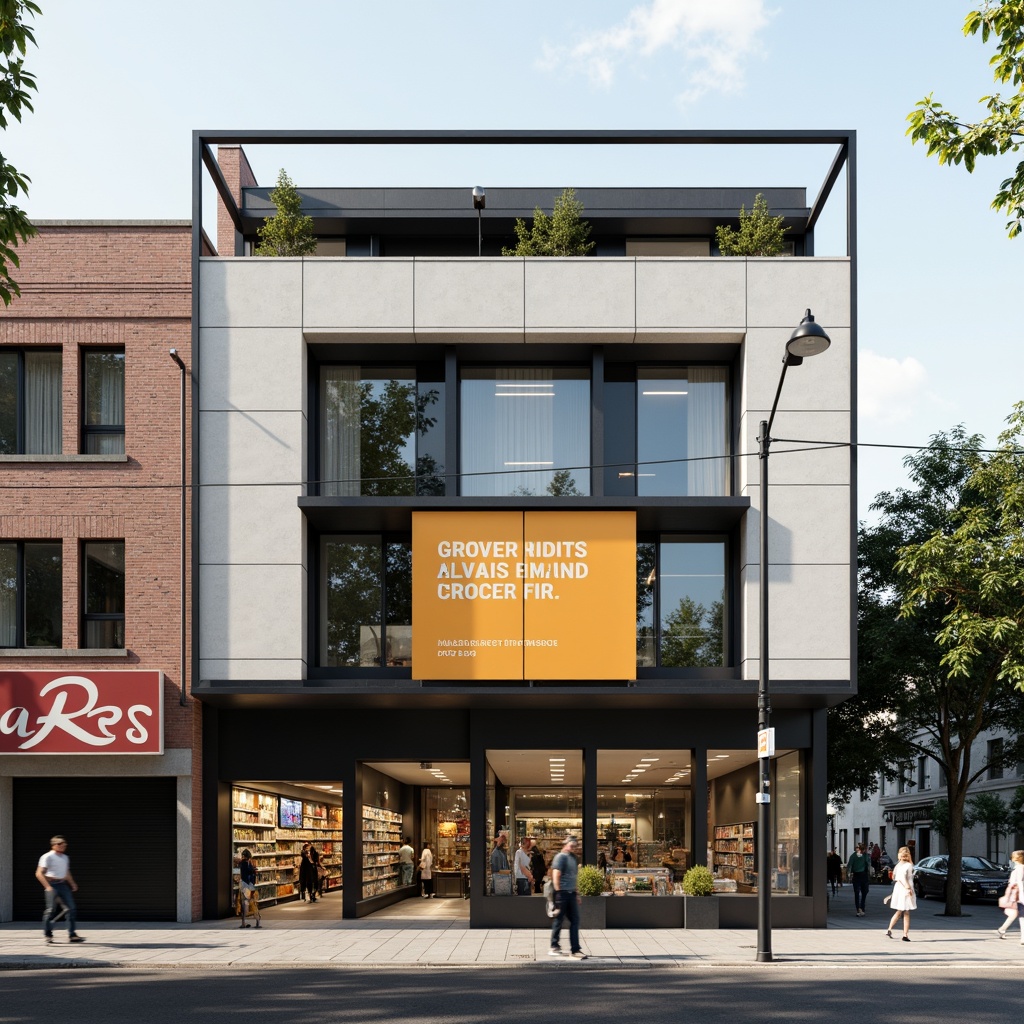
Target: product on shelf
x,y
733,855
382,839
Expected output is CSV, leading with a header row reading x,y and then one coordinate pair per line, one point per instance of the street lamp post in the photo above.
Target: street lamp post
x,y
807,340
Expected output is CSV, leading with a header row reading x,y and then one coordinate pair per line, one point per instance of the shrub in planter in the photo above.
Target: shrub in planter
x,y
590,881
698,881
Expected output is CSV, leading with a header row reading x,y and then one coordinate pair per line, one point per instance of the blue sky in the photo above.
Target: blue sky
x,y
122,84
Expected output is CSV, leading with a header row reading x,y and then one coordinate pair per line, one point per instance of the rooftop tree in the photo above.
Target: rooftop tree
x,y
288,232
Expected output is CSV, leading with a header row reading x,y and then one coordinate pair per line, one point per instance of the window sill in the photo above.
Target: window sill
x,y
63,458
63,652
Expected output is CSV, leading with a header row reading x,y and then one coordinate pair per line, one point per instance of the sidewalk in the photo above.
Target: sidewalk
x,y
445,939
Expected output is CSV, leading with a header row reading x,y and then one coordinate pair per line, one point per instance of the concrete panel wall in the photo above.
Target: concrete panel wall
x,y
258,315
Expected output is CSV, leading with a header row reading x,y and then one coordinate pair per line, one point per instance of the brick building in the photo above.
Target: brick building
x,y
92,520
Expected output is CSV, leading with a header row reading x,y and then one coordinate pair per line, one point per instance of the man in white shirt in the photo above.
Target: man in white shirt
x,y
405,861
54,875
524,876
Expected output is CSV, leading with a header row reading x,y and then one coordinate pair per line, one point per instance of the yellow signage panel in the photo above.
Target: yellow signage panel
x,y
524,595
579,594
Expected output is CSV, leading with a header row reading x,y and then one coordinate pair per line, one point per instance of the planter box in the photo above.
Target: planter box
x,y
644,911
700,911
592,912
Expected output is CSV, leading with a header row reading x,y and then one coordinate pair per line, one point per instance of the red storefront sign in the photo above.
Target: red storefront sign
x,y
82,712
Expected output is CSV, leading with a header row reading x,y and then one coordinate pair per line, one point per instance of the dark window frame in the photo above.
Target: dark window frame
x,y
88,617
20,401
89,430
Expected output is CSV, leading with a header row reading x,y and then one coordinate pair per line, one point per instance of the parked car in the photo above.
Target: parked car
x,y
980,878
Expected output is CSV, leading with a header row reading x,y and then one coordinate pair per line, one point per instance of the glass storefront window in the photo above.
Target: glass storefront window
x,y
786,805
525,431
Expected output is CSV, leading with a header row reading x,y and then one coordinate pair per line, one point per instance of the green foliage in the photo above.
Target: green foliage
x,y
563,485
561,234
15,84
288,232
590,881
698,881
759,234
692,636
912,698
988,810
956,142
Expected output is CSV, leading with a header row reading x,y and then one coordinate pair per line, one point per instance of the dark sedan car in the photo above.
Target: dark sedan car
x,y
980,879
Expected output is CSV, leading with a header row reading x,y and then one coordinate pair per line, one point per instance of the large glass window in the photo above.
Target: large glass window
x,y
104,590
381,432
680,606
30,402
525,430
666,430
30,594
365,602
104,403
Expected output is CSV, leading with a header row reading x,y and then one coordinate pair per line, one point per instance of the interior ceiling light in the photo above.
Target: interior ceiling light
x,y
650,760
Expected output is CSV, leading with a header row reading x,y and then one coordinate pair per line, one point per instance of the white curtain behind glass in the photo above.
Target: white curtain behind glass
x,y
340,468
8,595
43,403
524,415
706,431
109,408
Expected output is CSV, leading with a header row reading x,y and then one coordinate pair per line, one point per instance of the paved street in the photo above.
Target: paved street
x,y
540,994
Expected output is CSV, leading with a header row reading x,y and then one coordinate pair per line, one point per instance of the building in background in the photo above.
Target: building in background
x,y
902,811
477,543
99,739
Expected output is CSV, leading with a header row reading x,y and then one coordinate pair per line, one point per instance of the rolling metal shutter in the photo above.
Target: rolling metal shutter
x,y
122,837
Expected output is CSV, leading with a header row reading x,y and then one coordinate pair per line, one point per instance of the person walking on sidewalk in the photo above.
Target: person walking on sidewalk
x,y
54,875
834,870
903,898
1014,909
859,869
563,876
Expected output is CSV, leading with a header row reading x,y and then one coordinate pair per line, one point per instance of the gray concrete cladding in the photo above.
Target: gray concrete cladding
x,y
257,317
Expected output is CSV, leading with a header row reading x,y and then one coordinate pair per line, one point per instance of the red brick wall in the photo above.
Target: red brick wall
x,y
238,174
124,286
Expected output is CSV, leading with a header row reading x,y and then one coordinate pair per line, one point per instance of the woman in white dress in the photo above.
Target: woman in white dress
x,y
903,899
1014,913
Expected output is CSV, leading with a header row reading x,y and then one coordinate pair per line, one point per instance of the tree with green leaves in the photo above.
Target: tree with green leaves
x,y
564,233
1001,131
759,234
913,700
15,85
692,635
288,232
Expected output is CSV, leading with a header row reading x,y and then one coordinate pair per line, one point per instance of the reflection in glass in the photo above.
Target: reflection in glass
x,y
786,805
30,403
525,431
358,573
646,579
31,595
104,403
691,591
648,828
104,594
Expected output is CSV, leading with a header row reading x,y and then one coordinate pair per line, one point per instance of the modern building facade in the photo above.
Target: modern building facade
x,y
476,538
98,738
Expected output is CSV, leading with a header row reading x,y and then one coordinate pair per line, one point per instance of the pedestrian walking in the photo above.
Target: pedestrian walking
x,y
563,876
537,866
903,899
307,872
54,875
834,869
1012,901
859,869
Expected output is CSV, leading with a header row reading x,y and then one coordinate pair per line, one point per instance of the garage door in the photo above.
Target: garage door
x,y
122,836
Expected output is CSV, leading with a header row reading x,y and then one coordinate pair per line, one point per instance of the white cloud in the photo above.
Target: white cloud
x,y
714,39
888,389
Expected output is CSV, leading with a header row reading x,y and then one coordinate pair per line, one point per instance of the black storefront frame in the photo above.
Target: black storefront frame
x,y
336,741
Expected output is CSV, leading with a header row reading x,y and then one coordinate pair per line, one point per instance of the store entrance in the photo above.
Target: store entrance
x,y
291,834
434,823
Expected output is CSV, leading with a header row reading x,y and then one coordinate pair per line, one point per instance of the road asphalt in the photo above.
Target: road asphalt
x,y
437,934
